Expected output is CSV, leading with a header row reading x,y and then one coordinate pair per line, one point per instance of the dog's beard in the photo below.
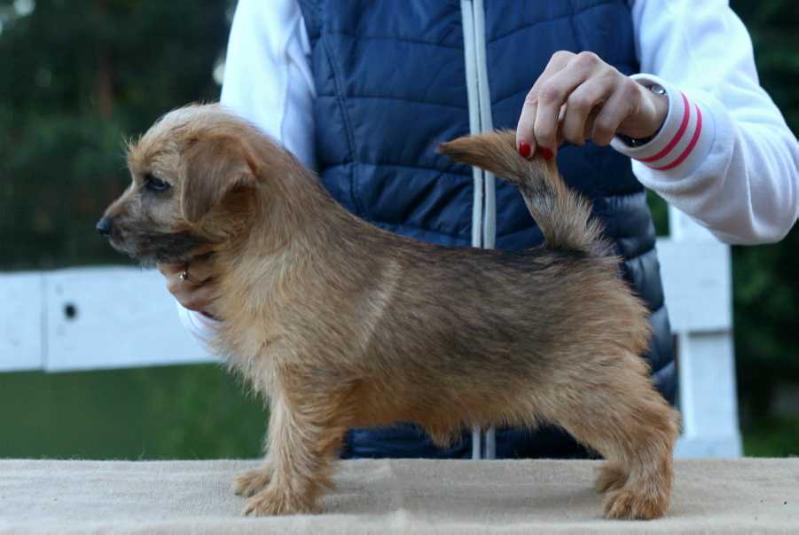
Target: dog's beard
x,y
150,248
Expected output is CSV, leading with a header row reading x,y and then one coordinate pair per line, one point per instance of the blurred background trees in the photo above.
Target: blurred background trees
x,y
766,278
80,77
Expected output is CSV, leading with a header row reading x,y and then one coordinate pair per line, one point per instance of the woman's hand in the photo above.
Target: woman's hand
x,y
580,97
192,283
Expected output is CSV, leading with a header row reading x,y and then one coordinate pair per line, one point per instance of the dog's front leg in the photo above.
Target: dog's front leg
x,y
252,481
303,441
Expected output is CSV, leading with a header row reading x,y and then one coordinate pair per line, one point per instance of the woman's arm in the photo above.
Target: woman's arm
x,y
722,153
736,173
267,76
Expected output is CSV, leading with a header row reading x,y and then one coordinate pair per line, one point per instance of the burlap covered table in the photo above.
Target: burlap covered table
x,y
389,497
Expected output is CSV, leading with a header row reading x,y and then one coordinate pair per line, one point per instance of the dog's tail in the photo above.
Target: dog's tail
x,y
563,216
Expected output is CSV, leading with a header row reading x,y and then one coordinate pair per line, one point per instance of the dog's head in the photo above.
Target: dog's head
x,y
193,177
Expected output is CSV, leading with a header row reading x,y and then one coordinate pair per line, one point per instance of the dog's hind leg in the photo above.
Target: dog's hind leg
x,y
611,477
634,429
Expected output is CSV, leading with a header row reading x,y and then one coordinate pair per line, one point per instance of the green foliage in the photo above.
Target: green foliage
x,y
660,213
181,412
766,288
773,26
79,78
772,437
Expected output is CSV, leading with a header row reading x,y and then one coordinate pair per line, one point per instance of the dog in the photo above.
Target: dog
x,y
341,324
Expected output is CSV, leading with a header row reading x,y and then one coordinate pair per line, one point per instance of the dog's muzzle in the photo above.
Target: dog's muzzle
x,y
104,226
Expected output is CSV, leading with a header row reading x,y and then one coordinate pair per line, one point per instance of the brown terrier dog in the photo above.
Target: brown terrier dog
x,y
345,325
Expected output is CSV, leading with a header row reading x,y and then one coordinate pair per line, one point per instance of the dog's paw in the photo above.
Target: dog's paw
x,y
271,502
611,477
252,481
442,437
627,505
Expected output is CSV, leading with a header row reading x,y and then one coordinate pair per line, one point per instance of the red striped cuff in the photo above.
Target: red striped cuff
x,y
677,142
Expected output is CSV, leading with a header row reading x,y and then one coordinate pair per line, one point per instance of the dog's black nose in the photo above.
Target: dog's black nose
x,y
104,226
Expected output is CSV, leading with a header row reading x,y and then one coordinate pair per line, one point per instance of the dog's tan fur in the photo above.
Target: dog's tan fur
x,y
344,325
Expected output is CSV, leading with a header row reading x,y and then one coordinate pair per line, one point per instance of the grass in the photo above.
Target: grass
x,y
179,412
772,437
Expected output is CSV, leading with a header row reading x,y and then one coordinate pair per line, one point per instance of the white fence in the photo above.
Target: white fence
x,y
93,318
90,318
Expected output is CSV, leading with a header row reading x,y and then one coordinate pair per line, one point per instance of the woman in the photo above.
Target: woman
x,y
364,91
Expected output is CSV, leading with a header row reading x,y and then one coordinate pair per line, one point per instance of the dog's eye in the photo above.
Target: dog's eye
x,y
155,184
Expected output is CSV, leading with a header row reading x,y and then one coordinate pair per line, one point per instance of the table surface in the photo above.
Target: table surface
x,y
389,496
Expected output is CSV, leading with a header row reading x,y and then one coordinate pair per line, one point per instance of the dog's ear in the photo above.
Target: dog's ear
x,y
213,167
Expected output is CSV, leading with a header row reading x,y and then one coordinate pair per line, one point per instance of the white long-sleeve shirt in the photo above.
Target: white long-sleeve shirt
x,y
724,154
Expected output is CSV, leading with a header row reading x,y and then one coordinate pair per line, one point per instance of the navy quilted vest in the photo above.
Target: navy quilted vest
x,y
391,84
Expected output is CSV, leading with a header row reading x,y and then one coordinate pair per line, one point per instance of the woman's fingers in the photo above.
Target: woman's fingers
x,y
525,138
192,283
581,105
200,269
579,97
555,92
619,106
168,270
198,298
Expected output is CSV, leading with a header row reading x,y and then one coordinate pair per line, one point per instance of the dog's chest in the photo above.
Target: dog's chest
x,y
251,348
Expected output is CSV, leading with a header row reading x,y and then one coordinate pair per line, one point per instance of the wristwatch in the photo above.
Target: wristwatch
x,y
637,142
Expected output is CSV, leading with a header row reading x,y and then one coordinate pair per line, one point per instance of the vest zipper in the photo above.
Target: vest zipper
x,y
480,120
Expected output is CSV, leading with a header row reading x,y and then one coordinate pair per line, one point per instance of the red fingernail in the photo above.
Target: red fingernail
x,y
546,153
524,149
